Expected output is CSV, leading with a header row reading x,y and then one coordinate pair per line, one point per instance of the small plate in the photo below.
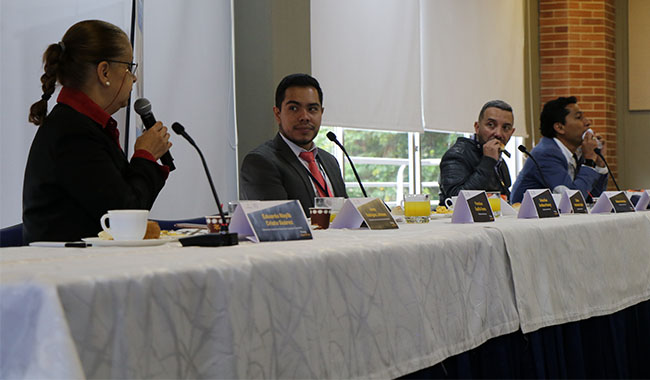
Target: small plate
x,y
97,242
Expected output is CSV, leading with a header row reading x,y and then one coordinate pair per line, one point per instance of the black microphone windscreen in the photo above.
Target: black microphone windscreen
x,y
331,136
522,149
178,128
597,151
142,106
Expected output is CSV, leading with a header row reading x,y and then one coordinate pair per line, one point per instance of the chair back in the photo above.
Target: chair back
x,y
11,236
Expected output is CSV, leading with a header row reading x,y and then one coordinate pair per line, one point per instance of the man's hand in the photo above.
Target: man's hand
x,y
155,140
492,149
589,143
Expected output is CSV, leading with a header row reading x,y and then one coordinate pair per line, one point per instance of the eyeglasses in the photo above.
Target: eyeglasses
x,y
133,66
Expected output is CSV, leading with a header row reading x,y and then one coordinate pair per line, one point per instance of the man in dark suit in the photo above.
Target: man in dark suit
x,y
290,166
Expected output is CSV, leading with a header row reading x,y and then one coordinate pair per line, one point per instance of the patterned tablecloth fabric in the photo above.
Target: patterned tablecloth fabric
x,y
347,304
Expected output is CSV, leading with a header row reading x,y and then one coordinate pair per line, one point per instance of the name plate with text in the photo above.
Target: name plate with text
x,y
472,206
371,212
538,203
612,200
573,202
270,221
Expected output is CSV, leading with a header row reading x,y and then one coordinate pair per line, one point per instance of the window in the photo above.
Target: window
x,y
391,164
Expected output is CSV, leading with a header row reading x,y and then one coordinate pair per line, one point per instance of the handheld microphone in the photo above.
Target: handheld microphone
x,y
523,150
600,154
223,237
332,137
142,107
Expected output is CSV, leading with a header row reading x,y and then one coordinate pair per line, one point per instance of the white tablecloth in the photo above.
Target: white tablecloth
x,y
348,304
577,266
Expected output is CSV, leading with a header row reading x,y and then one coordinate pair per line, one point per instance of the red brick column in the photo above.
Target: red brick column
x,y
577,57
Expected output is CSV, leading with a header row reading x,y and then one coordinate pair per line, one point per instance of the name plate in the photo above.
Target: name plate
x,y
573,202
472,206
270,221
644,201
369,211
538,203
612,200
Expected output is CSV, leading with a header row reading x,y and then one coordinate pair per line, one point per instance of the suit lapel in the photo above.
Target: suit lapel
x,y
287,154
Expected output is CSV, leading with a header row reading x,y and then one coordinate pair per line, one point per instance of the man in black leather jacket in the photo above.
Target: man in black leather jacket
x,y
475,163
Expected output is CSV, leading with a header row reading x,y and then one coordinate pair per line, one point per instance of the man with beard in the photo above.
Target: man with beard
x,y
290,166
475,163
566,153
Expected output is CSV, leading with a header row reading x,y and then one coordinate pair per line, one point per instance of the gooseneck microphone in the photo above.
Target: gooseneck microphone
x,y
523,150
223,237
332,137
142,107
600,154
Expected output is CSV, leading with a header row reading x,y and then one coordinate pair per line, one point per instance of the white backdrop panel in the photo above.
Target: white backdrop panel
x,y
188,76
27,28
472,52
366,56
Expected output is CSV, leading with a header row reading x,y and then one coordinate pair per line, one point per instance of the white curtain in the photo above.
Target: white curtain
x,y
472,52
409,65
188,76
366,56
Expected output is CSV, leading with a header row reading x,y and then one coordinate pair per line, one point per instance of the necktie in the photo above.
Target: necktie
x,y
315,172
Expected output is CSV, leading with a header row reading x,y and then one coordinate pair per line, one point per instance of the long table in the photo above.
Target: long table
x,y
347,304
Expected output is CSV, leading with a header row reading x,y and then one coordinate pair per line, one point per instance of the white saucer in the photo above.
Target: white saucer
x,y
97,242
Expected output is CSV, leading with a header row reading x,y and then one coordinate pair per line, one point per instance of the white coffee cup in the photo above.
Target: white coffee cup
x,y
126,224
450,202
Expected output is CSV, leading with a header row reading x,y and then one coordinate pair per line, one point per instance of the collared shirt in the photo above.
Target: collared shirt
x,y
81,103
571,161
297,150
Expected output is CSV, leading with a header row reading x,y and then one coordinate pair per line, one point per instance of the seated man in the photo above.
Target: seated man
x,y
565,154
290,166
476,163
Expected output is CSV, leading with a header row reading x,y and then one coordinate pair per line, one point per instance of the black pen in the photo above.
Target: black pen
x,y
67,244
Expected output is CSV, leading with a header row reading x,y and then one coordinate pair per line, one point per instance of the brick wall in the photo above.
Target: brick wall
x,y
577,57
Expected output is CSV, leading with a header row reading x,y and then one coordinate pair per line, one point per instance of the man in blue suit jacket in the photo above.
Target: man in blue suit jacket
x,y
565,153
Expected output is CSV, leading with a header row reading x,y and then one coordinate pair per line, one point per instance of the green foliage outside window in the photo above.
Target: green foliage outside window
x,y
364,143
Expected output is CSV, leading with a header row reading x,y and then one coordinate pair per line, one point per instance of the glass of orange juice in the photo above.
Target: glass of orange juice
x,y
495,203
417,208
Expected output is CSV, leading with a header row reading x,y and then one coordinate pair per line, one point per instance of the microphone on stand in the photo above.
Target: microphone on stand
x,y
332,137
523,150
600,154
142,107
223,237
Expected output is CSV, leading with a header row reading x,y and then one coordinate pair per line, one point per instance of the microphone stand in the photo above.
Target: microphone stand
x,y
523,150
223,237
600,154
332,137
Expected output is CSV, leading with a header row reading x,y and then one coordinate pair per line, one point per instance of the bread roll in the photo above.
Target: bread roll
x,y
153,230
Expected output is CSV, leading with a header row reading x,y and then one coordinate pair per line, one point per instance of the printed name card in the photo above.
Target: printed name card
x,y
270,221
371,211
573,202
472,206
612,200
643,201
538,203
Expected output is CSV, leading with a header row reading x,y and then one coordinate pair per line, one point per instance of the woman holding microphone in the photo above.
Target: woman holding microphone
x,y
76,170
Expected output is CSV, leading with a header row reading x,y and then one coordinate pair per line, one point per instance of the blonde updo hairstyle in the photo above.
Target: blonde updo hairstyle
x,y
73,60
